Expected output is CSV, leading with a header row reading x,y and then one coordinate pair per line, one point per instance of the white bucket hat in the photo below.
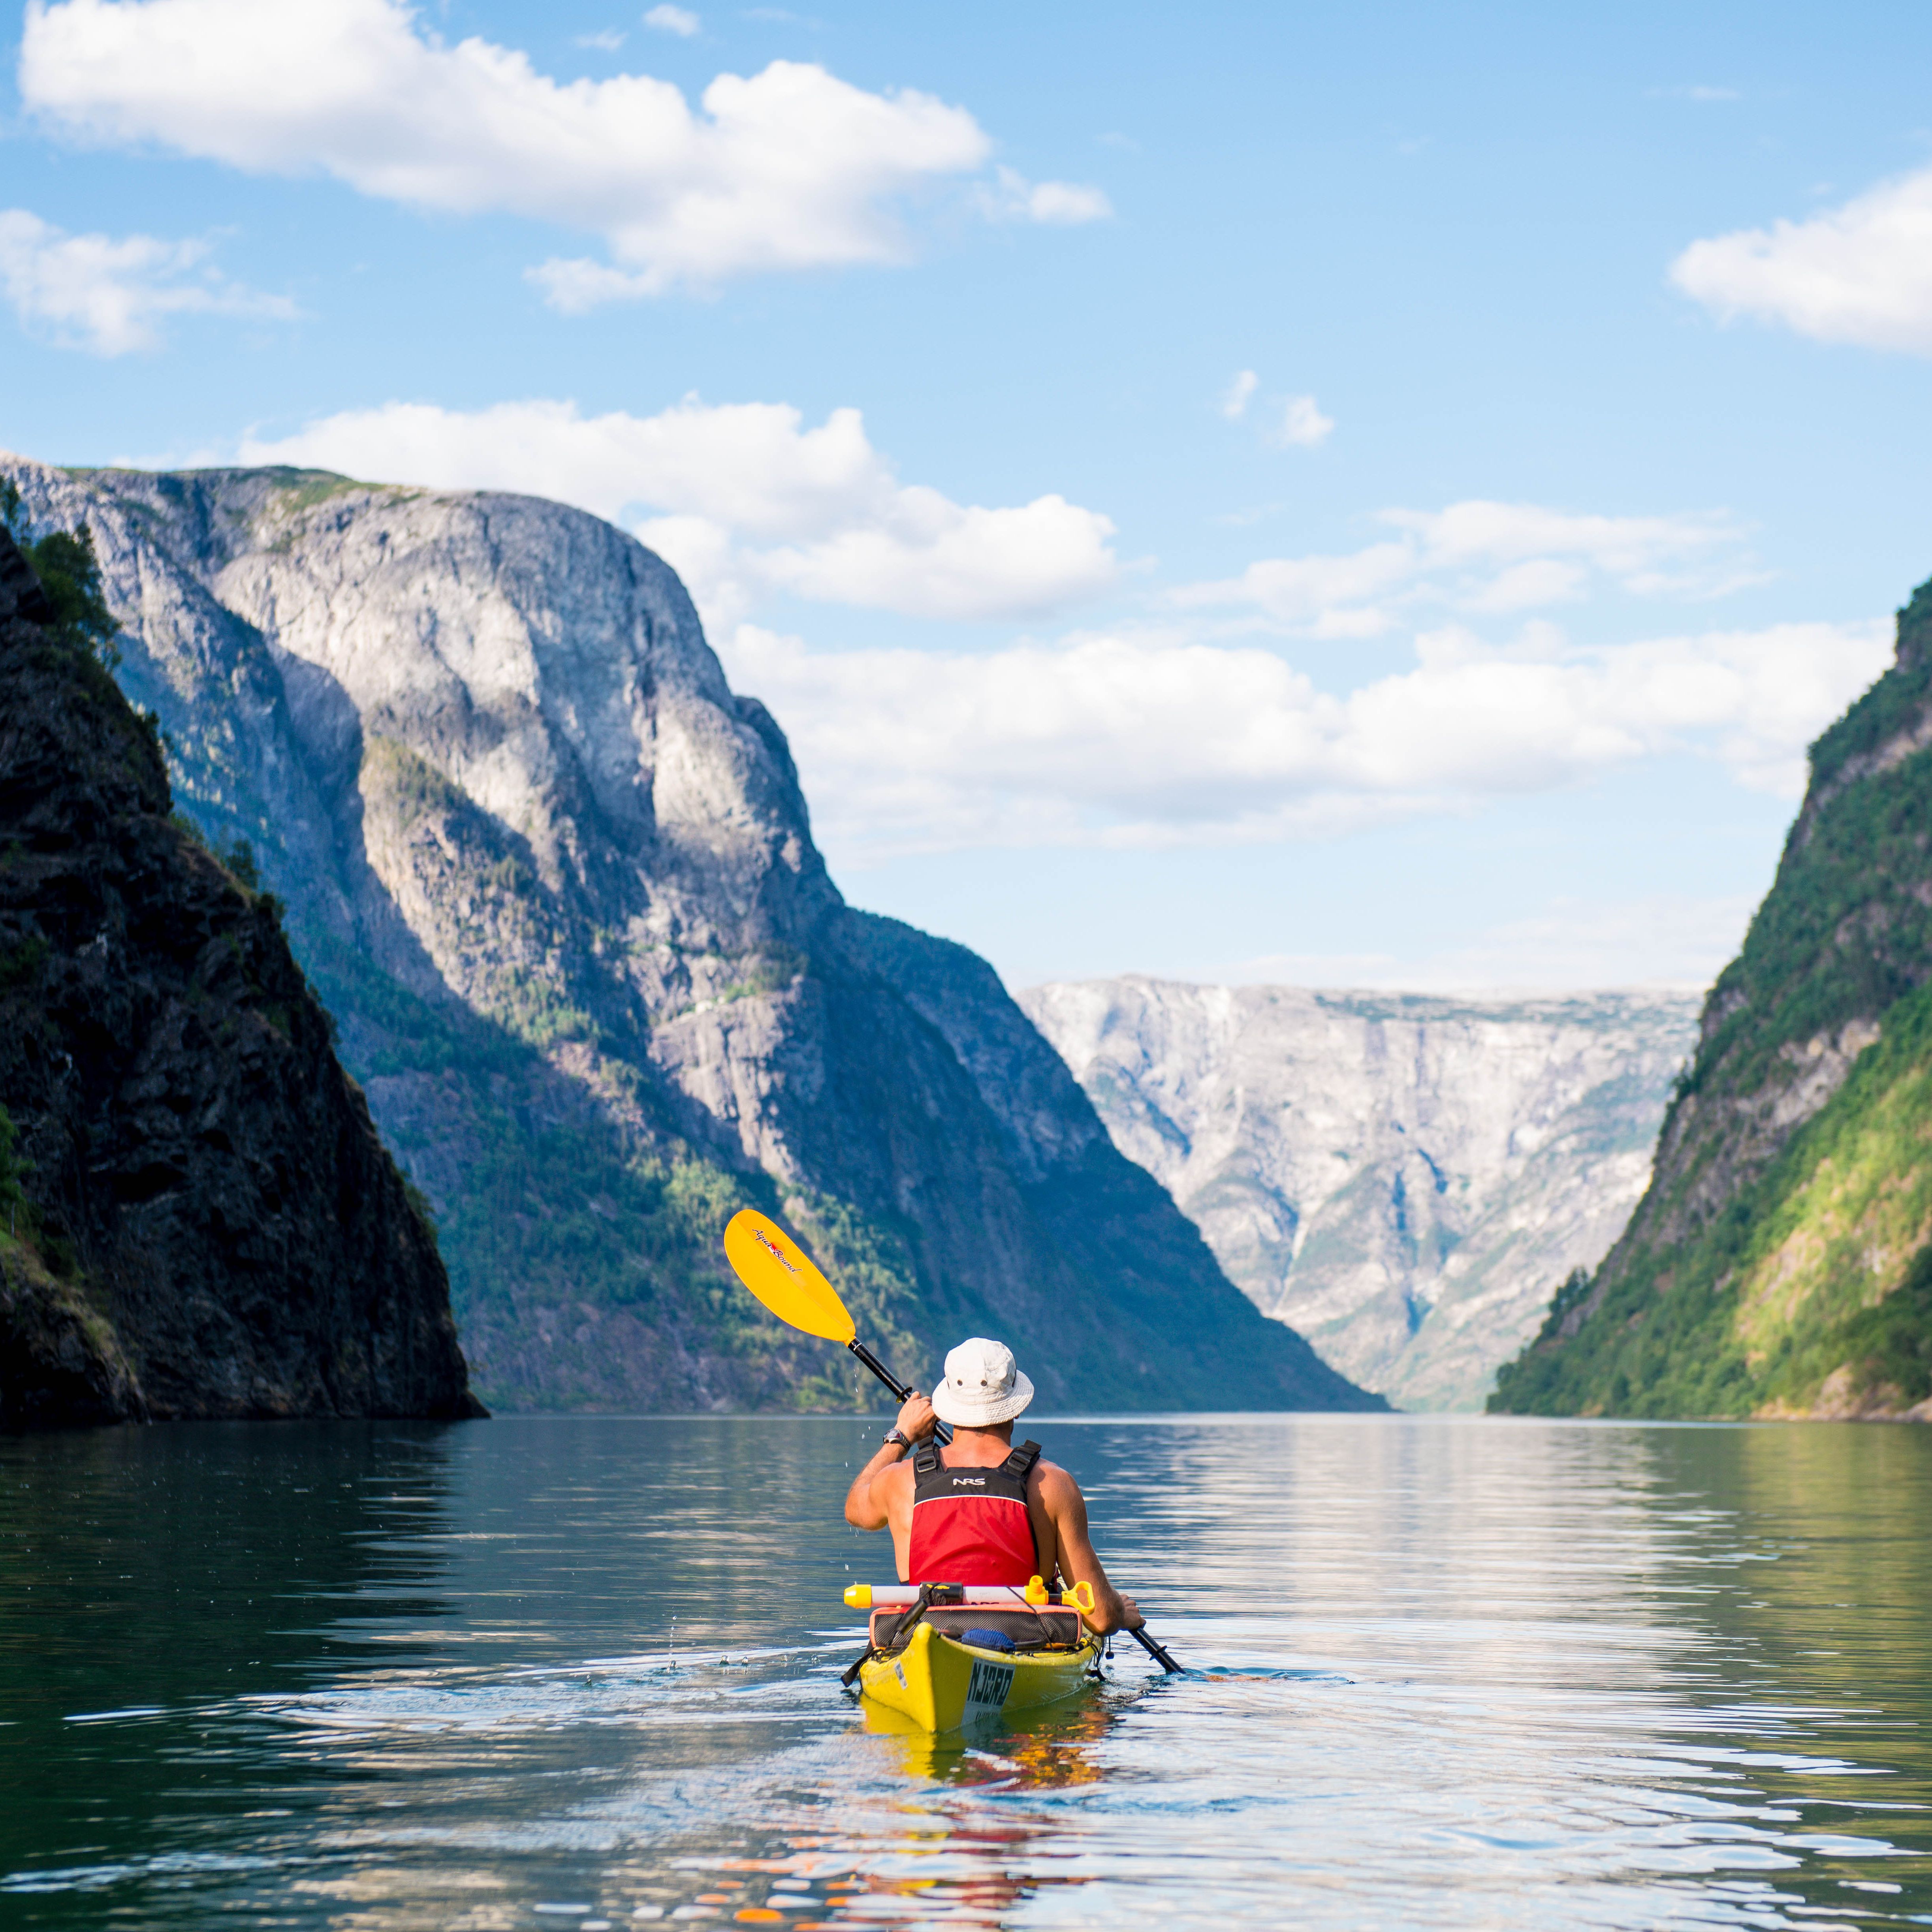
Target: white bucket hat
x,y
983,1386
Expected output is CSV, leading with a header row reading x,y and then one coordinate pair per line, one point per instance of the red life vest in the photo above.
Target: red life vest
x,y
970,1525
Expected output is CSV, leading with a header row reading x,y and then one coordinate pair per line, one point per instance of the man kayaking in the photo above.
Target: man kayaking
x,y
980,1511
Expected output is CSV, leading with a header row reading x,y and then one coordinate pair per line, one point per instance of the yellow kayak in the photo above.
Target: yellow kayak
x,y
941,1683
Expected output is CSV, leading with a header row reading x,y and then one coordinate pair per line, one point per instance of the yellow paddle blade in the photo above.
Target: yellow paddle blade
x,y
784,1277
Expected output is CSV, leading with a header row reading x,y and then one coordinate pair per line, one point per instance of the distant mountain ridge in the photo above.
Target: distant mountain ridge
x,y
1781,1262
1407,1179
556,882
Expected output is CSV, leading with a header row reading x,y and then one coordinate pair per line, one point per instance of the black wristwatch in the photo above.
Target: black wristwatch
x,y
896,1435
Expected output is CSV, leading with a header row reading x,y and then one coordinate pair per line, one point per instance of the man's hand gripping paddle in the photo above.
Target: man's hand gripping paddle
x,y
788,1282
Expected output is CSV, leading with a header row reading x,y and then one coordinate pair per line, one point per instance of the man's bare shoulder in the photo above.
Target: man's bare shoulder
x,y
1056,1484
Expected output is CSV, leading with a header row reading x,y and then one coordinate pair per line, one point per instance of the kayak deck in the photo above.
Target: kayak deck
x,y
942,1684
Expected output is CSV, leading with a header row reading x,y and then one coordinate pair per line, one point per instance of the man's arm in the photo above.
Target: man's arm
x,y
866,1500
1060,1495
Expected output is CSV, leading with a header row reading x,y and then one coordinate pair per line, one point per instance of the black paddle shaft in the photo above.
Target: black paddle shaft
x,y
1154,1651
898,1388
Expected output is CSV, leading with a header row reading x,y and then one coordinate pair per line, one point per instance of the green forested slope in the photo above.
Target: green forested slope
x,y
582,1268
1781,1262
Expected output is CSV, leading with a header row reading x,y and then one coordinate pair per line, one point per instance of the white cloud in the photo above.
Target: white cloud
x,y
1156,740
1302,425
609,39
746,500
1238,394
1291,422
678,20
790,168
1056,204
110,294
1327,596
1066,204
928,557
1478,556
1860,274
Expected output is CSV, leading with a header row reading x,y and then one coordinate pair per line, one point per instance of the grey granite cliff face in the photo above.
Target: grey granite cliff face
x,y
203,1222
557,881
1406,1179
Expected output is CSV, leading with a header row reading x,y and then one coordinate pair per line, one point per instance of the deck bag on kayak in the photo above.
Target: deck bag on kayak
x,y
1051,1626
970,1524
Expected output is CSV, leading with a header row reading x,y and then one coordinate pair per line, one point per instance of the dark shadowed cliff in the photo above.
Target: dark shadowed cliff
x,y
557,884
1781,1262
196,1217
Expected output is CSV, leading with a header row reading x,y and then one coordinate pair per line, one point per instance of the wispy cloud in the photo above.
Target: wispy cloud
x,y
1301,425
788,169
1479,556
745,500
678,20
609,40
109,295
1288,422
1860,273
1238,394
1059,204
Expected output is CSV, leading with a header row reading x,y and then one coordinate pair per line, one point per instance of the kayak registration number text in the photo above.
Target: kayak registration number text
x,y
986,1690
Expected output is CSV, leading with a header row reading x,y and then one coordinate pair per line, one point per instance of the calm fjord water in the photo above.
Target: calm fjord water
x,y
1450,1673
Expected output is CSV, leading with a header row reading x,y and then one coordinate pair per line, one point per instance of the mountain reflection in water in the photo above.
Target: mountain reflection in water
x,y
584,1672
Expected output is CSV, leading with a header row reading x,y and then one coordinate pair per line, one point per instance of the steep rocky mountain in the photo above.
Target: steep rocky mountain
x,y
556,882
196,1217
1406,1179
1781,1263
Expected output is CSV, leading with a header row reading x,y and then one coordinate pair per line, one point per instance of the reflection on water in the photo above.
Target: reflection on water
x,y
567,1672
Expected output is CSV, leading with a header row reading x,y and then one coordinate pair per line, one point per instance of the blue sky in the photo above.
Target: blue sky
x,y
1333,494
